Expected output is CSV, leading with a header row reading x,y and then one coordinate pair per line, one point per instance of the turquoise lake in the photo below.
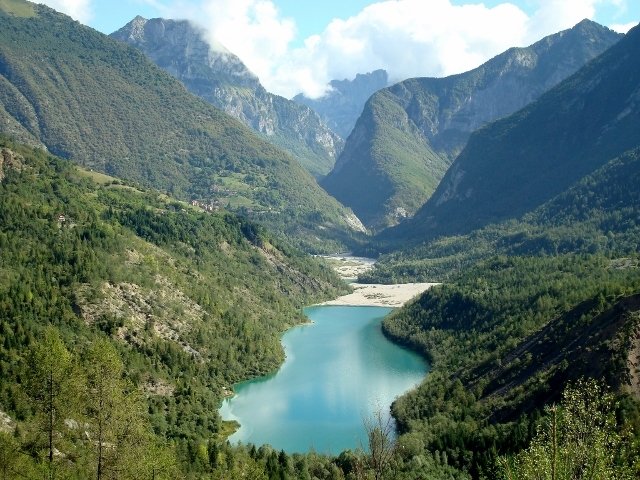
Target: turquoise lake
x,y
338,371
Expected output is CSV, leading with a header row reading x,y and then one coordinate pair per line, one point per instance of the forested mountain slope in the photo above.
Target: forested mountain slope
x,y
220,77
410,132
105,106
505,338
516,164
192,301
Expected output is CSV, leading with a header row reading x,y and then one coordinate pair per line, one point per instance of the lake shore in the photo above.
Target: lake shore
x,y
378,295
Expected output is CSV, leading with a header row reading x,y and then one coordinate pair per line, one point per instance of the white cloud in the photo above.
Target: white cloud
x,y
251,29
406,37
77,9
623,27
409,38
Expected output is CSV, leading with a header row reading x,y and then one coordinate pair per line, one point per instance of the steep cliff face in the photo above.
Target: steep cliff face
x,y
409,133
447,110
215,74
518,163
343,104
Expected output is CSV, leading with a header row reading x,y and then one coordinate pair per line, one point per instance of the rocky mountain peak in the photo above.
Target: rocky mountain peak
x,y
135,28
343,103
183,49
210,71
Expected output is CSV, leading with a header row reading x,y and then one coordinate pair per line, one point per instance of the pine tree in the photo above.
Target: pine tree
x,y
52,386
578,439
116,416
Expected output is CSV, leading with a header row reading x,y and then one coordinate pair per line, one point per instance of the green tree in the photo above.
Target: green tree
x,y
9,456
578,439
116,416
52,387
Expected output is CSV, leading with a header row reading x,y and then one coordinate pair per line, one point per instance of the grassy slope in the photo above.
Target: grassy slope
x,y
104,106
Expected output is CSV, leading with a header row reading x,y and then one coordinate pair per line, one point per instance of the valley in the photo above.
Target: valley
x,y
339,372
172,303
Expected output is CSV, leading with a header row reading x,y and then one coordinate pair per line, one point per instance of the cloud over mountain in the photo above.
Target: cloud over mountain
x,y
407,38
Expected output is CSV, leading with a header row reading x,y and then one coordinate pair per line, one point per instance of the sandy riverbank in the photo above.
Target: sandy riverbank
x,y
378,295
348,267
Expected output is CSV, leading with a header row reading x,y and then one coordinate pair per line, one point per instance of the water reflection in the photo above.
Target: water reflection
x,y
338,371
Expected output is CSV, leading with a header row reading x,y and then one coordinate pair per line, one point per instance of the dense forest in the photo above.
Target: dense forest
x,y
504,339
131,305
189,302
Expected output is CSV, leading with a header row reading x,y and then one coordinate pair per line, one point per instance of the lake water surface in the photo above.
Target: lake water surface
x,y
338,371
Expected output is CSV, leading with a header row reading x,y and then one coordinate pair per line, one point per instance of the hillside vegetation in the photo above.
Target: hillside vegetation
x,y
410,132
387,169
504,339
192,301
104,106
219,77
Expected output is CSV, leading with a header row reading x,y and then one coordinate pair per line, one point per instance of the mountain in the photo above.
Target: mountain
x,y
386,170
341,106
518,163
193,301
595,215
410,132
220,77
540,297
104,105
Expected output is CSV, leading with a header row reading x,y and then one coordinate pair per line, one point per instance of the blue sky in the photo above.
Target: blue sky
x,y
311,16
300,45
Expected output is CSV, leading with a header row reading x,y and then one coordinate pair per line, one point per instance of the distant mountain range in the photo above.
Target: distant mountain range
x,y
343,104
104,105
218,76
409,133
516,164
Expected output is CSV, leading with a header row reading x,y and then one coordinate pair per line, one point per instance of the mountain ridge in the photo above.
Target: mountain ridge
x,y
435,117
215,74
104,105
541,150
